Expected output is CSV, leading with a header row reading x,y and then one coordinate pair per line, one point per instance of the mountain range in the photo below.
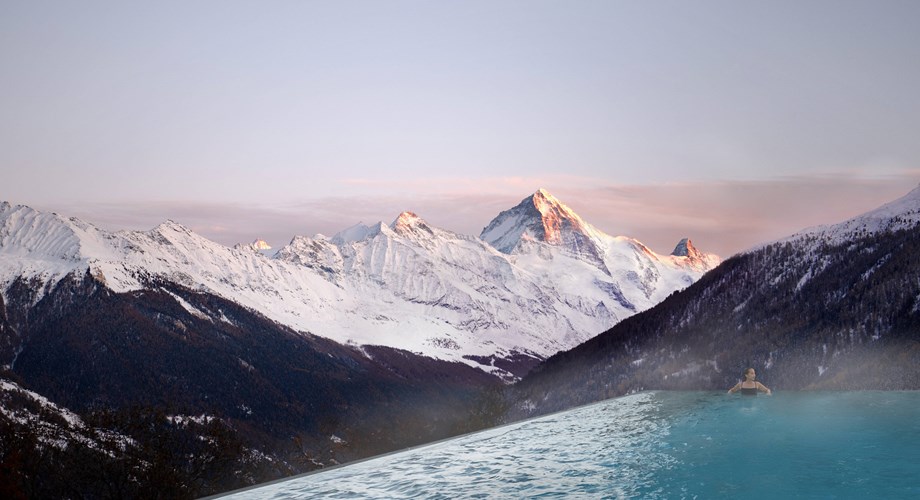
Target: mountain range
x,y
830,307
538,280
165,360
193,368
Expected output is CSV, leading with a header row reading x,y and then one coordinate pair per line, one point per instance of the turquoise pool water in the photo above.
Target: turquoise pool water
x,y
659,445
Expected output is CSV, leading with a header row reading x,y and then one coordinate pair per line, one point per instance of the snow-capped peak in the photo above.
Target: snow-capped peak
x,y
358,232
541,217
258,245
408,223
407,218
555,216
171,226
685,248
24,230
687,255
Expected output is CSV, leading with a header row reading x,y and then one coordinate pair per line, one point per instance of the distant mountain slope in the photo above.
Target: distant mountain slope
x,y
406,285
835,307
173,349
903,213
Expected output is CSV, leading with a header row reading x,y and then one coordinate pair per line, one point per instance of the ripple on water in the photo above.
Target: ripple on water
x,y
659,445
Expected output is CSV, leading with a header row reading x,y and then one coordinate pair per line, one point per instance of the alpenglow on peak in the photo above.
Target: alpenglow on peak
x,y
258,245
408,223
540,217
685,248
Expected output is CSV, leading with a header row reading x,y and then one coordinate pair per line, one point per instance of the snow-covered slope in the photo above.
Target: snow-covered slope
x,y
44,248
902,213
51,424
541,227
541,217
435,291
408,284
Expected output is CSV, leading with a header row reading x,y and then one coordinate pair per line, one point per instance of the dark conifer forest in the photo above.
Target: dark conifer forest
x,y
270,402
805,314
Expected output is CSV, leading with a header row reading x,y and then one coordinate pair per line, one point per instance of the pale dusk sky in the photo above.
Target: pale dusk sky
x,y
729,122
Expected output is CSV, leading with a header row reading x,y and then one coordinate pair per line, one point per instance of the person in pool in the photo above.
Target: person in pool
x,y
748,386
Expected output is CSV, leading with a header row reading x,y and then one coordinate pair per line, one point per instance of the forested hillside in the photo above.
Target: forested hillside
x,y
271,401
808,313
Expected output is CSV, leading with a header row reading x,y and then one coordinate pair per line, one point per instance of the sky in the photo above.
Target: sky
x,y
729,122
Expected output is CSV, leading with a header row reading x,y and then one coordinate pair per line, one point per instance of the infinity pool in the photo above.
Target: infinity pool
x,y
659,445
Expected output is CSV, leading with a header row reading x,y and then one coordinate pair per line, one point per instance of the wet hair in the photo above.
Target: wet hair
x,y
744,373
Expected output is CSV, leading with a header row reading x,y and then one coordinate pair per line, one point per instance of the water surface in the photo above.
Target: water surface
x,y
659,445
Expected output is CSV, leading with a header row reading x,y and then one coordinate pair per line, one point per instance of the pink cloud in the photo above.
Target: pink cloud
x,y
722,217
729,217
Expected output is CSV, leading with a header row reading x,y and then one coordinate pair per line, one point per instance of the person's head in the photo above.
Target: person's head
x,y
749,374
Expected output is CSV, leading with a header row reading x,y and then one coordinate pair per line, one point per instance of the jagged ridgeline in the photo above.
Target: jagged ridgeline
x,y
832,307
192,368
550,282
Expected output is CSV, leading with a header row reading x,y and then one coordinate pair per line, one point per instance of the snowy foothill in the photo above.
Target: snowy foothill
x,y
54,425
